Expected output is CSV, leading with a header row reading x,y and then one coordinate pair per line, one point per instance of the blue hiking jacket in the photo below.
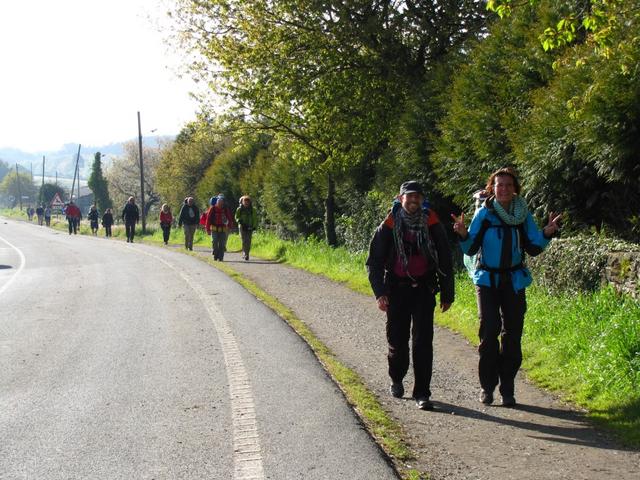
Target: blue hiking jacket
x,y
501,248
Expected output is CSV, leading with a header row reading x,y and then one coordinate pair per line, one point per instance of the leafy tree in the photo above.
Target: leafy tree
x,y
123,176
327,78
490,97
603,20
292,200
49,190
99,185
4,169
16,185
184,162
223,175
583,134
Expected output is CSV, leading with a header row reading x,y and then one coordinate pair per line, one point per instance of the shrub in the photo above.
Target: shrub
x,y
576,264
356,226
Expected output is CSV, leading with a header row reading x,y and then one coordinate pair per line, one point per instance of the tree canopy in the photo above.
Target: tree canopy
x,y
354,97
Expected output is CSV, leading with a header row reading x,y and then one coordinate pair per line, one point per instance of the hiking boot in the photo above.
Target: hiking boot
x,y
508,401
486,397
423,403
397,389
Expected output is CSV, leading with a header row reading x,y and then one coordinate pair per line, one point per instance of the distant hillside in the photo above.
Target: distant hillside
x,y
63,161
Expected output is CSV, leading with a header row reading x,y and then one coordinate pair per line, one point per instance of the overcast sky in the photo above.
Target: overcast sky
x,y
77,71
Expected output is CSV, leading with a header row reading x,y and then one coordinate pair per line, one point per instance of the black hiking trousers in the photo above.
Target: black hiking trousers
x,y
410,315
501,312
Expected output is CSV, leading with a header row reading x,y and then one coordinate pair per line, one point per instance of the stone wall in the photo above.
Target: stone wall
x,y
623,272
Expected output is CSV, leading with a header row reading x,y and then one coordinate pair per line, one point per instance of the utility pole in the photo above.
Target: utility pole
x,y
18,181
42,185
73,185
144,219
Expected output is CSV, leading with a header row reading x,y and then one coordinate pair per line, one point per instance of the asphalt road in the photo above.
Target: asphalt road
x,y
126,361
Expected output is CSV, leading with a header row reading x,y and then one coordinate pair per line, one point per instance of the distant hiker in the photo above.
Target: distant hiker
x,y
166,219
247,220
93,216
40,214
188,218
409,262
30,212
73,215
47,216
219,221
501,232
130,216
107,222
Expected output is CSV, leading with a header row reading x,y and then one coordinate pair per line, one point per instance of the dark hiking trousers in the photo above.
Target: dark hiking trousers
x,y
130,230
166,232
501,312
410,315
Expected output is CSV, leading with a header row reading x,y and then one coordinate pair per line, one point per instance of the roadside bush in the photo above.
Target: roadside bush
x,y
576,264
356,226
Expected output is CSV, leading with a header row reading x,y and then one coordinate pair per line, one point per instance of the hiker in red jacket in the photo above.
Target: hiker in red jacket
x,y
219,222
73,215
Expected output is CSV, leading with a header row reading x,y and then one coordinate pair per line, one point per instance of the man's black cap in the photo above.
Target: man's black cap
x,y
411,187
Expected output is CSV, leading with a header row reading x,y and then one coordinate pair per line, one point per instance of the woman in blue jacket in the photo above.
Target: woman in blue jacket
x,y
501,233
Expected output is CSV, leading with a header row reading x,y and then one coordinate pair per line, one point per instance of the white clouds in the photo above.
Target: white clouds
x,y
78,71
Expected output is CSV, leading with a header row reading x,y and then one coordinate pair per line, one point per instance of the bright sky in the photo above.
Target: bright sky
x,y
77,71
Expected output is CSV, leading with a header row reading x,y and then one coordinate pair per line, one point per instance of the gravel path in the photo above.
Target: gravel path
x,y
462,439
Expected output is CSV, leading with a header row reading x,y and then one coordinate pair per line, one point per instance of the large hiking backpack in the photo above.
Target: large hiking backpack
x,y
470,261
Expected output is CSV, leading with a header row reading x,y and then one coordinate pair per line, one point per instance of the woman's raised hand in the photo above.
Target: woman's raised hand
x,y
458,225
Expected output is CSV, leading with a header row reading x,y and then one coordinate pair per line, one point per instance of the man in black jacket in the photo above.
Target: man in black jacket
x,y
409,262
130,216
189,219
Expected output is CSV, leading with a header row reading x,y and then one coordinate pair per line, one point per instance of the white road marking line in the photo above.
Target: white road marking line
x,y
23,262
247,453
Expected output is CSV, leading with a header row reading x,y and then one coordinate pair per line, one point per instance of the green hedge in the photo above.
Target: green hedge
x,y
576,264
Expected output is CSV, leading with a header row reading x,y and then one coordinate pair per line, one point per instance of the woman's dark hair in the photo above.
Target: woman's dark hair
x,y
499,173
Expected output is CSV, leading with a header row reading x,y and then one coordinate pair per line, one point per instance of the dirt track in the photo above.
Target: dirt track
x,y
462,439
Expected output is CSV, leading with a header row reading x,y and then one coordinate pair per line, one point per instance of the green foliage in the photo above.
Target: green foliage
x,y
489,98
589,347
49,190
603,19
575,265
292,198
578,147
183,163
224,174
4,169
356,226
17,185
99,185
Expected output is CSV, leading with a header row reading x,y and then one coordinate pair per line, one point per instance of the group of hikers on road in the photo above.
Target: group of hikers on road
x,y
410,261
42,212
217,221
